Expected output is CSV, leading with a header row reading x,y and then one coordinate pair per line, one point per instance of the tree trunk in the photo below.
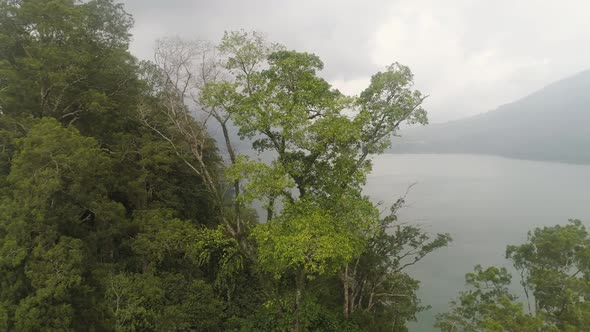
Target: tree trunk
x,y
270,208
346,304
232,159
300,283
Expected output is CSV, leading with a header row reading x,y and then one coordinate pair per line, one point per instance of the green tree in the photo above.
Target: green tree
x,y
67,60
317,218
553,268
87,192
488,305
59,229
165,302
555,271
382,295
116,212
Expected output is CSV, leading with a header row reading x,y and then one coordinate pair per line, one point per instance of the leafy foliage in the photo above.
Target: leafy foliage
x,y
383,296
553,270
117,212
58,218
488,305
102,225
318,221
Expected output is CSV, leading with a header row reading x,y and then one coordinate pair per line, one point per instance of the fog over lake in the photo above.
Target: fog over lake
x,y
484,202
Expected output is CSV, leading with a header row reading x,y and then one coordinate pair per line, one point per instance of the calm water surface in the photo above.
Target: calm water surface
x,y
485,202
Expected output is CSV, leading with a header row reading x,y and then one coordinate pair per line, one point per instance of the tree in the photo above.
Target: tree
x,y
554,268
176,266
117,211
378,290
58,221
68,61
180,71
554,275
87,192
488,305
322,141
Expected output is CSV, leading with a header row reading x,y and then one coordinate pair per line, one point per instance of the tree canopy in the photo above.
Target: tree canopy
x,y
119,211
553,271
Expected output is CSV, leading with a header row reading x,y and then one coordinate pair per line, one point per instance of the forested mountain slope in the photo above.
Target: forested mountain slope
x,y
550,124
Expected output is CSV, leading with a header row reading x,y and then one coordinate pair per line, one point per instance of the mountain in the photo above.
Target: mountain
x,y
550,124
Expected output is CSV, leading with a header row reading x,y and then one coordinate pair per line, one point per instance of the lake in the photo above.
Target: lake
x,y
484,202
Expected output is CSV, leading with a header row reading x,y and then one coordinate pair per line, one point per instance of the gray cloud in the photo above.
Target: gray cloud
x,y
335,30
469,56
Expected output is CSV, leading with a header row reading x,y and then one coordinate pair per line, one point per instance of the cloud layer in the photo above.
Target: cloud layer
x,y
469,56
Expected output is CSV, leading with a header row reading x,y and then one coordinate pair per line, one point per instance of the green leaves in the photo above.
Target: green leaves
x,y
323,139
245,50
389,101
165,241
261,180
554,266
67,61
103,223
321,143
113,212
554,275
308,238
147,302
384,295
52,154
53,214
488,305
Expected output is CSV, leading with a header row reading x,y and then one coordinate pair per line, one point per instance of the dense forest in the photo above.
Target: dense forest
x,y
120,212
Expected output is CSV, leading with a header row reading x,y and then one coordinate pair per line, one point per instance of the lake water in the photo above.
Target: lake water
x,y
484,202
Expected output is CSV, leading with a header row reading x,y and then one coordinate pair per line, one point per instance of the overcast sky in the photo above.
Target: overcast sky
x,y
469,56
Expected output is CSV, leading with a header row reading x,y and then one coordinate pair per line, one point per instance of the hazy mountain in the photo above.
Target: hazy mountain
x,y
550,124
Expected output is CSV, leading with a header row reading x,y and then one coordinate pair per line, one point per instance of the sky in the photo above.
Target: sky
x,y
469,56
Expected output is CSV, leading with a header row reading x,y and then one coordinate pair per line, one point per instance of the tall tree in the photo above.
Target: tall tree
x,y
116,212
103,225
317,218
59,230
67,60
181,70
378,289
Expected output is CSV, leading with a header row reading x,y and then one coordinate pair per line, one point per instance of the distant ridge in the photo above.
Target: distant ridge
x,y
552,123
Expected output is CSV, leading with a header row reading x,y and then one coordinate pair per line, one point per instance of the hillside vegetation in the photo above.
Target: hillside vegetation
x,y
550,124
